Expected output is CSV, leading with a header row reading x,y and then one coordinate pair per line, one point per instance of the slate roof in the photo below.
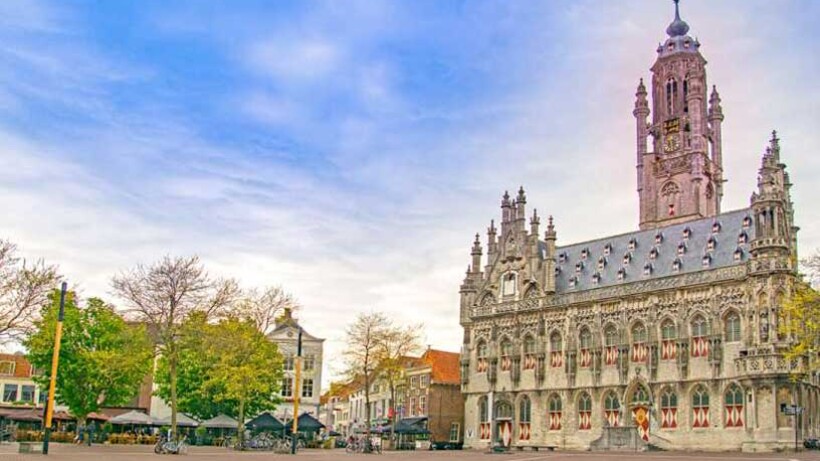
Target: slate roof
x,y
665,251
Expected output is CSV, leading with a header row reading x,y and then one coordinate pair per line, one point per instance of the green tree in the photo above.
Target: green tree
x,y
103,360
248,367
800,315
228,367
163,295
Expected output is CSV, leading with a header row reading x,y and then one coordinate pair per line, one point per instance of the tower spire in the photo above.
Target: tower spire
x,y
678,27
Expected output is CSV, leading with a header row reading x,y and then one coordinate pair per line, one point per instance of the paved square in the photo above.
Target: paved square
x,y
62,452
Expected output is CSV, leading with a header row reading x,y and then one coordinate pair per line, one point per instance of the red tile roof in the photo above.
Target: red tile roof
x,y
22,367
445,365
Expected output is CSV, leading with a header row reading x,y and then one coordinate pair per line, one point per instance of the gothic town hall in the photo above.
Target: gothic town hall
x,y
672,329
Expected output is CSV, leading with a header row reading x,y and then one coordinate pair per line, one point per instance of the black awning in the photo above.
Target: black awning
x,y
417,425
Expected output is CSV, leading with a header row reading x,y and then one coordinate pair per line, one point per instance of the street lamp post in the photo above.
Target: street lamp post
x,y
297,388
55,358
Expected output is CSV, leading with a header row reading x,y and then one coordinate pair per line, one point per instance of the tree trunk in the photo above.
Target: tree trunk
x,y
172,372
367,406
240,432
393,411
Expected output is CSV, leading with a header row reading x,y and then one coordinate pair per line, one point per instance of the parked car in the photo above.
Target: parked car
x,y
812,443
435,445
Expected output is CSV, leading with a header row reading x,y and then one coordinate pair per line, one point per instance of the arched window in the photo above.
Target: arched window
x,y
732,326
734,406
700,330
584,412
508,285
530,359
481,356
668,335
669,410
612,410
555,412
671,95
585,342
639,349
484,425
503,410
524,418
686,91
506,354
700,407
611,342
556,350
641,395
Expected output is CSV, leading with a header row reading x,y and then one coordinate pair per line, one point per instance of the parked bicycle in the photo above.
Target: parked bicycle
x,y
165,446
363,445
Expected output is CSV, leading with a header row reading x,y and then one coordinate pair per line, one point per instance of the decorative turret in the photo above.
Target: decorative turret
x,y
535,221
772,211
476,254
641,112
716,141
492,244
550,236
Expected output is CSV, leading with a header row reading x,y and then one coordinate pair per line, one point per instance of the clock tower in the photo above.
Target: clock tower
x,y
681,178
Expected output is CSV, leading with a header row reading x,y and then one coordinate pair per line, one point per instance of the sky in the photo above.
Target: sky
x,y
349,151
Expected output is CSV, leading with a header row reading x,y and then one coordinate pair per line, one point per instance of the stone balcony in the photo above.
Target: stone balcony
x,y
767,363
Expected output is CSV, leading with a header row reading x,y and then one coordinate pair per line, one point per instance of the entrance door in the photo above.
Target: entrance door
x,y
640,414
505,432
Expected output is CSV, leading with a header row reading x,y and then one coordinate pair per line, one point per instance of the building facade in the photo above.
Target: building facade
x,y
17,382
671,329
432,391
285,335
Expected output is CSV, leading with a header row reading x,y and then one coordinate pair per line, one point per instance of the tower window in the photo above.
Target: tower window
x,y
671,91
686,87
671,209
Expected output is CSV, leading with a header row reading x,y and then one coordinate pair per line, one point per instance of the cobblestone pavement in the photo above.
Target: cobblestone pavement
x,y
62,452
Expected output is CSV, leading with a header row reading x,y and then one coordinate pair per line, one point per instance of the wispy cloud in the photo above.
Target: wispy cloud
x,y
349,151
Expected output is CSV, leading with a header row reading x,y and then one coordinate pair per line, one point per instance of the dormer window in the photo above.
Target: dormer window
x,y
601,263
658,238
562,257
716,227
607,249
653,254
711,244
742,238
584,253
681,249
676,265
509,284
627,258
747,222
573,282
647,269
557,270
738,254
632,244
579,266
687,233
596,278
706,261
621,273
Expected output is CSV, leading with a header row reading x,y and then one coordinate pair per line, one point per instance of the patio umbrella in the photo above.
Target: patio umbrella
x,y
183,420
136,418
307,423
29,415
97,416
220,422
265,421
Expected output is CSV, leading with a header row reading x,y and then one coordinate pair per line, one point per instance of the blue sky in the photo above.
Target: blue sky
x,y
350,150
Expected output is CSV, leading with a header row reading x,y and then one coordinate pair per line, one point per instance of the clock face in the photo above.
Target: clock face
x,y
672,143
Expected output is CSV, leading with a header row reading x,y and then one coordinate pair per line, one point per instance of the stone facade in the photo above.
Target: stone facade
x,y
285,335
672,329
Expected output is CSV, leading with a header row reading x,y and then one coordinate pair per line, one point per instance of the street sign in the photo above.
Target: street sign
x,y
791,410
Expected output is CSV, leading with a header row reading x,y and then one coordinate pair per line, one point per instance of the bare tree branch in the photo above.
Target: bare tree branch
x,y
263,307
24,289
